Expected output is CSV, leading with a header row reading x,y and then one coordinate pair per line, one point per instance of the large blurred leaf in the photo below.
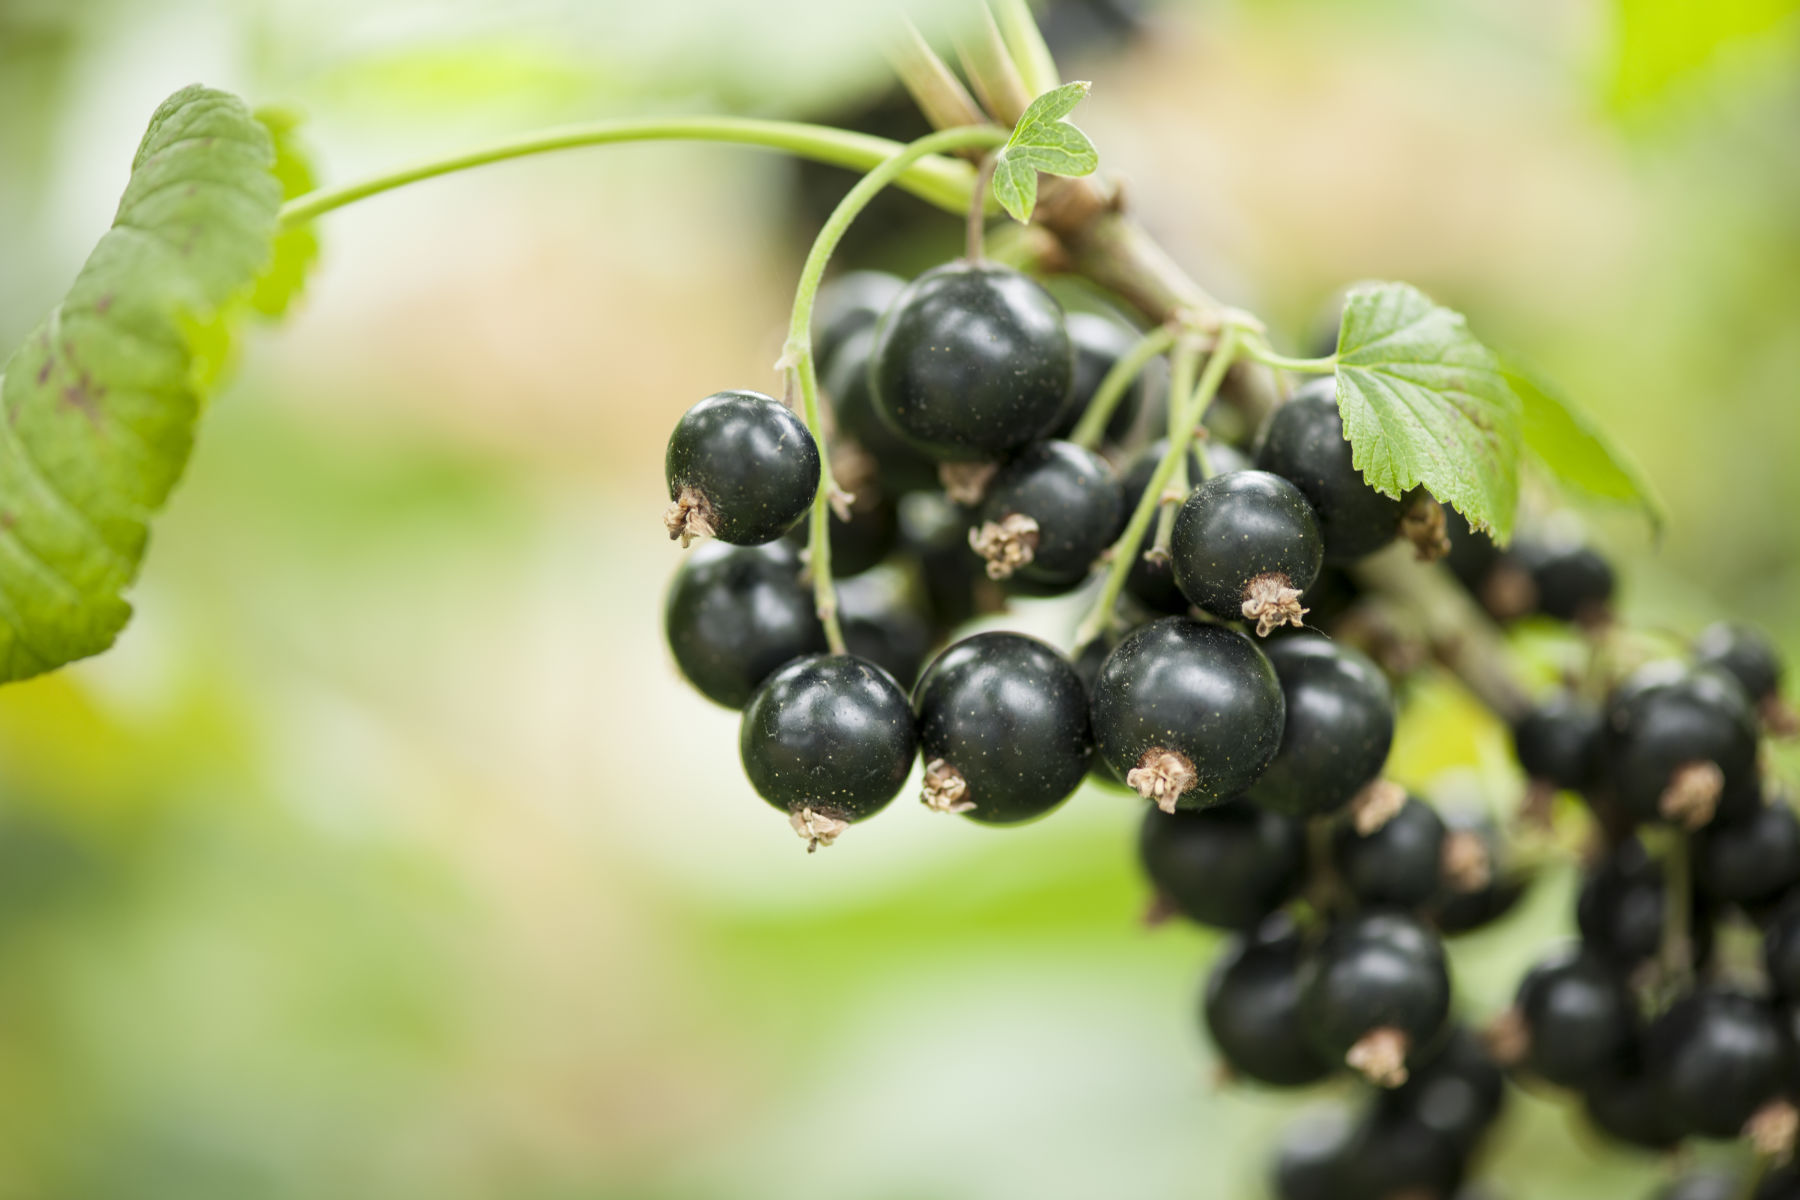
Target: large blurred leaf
x,y
99,404
297,246
1575,450
1661,42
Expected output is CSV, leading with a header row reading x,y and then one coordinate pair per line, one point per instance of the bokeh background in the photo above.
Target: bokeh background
x,y
387,855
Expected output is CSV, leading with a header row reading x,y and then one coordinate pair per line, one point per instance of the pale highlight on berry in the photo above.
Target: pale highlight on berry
x,y
816,828
689,517
1772,1131
1508,1038
1466,864
966,482
1161,776
1692,796
1424,526
1380,1057
944,789
1271,601
1376,805
1007,544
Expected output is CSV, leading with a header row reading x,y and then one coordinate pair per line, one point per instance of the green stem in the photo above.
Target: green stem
x,y
1126,548
1092,426
1181,383
1259,350
797,355
943,182
1676,952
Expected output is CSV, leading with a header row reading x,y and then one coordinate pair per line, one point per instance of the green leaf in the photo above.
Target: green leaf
x,y
1042,141
97,408
296,247
1424,403
1572,448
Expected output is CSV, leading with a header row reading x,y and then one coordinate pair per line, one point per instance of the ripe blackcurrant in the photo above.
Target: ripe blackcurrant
x,y
829,740
1003,729
845,306
898,467
1152,579
1099,343
1561,742
1572,1019
1719,1057
734,614
1621,906
1458,1092
1681,744
1228,866
973,361
1750,860
1251,1009
1375,993
1571,581
1751,659
1304,443
1187,713
1048,514
1400,863
1246,547
882,623
1476,887
1338,728
1627,1104
741,468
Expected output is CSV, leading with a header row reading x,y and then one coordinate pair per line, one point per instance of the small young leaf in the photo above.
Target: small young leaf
x,y
1423,402
1042,141
296,248
97,408
1574,450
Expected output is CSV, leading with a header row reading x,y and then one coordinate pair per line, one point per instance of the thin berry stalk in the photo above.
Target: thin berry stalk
x,y
1092,426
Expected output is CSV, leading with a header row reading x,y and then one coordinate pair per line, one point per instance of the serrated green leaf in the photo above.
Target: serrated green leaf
x,y
1042,141
97,408
1574,450
1425,403
297,247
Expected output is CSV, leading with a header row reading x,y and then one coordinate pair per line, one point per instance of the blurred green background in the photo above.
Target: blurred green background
x,y
387,856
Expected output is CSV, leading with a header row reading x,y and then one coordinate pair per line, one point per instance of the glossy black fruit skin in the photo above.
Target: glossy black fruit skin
x,y
752,460
1099,343
1781,951
1304,443
1251,1011
1375,970
1718,1057
900,468
1201,691
1663,722
1396,1155
1010,715
1744,654
1580,1017
972,362
847,305
883,623
1562,741
1572,581
1457,908
1628,1105
1621,905
1399,864
1152,581
1458,1093
934,533
1072,495
1750,860
734,614
1236,528
1227,866
1338,728
829,732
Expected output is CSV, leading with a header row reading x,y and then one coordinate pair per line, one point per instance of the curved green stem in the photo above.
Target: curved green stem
x,y
1181,383
944,182
1259,350
1126,548
1092,426
797,355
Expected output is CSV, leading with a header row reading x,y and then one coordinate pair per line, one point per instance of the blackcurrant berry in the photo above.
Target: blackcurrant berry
x,y
1003,729
1681,745
1574,1018
1476,887
1744,654
829,740
1399,863
734,614
934,533
1781,951
898,467
1187,713
1048,514
1099,344
1620,908
1304,443
1397,1156
1627,1104
1338,728
1245,547
741,468
973,361
1251,1009
1719,1057
1375,993
1457,1093
847,305
1562,742
1570,580
1152,579
882,623
1750,860
1228,866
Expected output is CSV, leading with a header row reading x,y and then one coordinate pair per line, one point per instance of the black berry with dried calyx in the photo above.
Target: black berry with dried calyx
x,y
1003,729
1304,443
1227,866
1337,729
828,739
1720,1057
1681,743
1151,582
1188,714
735,613
741,468
1047,515
1375,993
1752,859
1399,861
1476,884
1572,1019
1246,547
